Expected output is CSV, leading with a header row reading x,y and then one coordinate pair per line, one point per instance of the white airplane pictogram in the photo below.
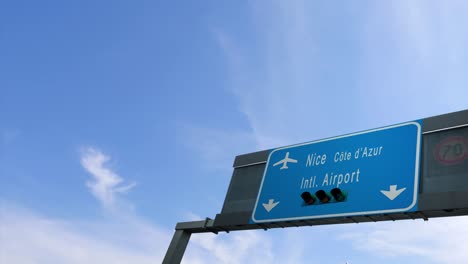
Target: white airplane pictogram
x,y
285,162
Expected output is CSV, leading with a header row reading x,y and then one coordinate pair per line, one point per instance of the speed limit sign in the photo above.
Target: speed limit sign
x,y
452,150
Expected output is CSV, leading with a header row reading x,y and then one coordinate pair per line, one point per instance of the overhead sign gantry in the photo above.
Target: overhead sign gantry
x,y
414,170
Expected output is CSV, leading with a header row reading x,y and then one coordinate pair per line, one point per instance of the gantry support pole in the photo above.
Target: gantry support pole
x,y
176,249
181,237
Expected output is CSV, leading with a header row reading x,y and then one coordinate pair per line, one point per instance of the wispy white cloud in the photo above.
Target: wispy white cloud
x,y
233,248
27,237
318,70
106,184
414,57
288,90
441,240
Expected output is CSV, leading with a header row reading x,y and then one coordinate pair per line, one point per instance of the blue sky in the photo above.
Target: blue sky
x,y
119,119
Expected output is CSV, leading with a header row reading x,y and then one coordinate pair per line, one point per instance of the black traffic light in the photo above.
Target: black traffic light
x,y
308,198
322,196
338,194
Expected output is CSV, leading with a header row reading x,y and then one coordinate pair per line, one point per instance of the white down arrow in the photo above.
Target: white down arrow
x,y
393,192
270,205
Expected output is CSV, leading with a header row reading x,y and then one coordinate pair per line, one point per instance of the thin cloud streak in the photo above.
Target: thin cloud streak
x,y
414,60
441,240
27,237
235,248
397,62
289,90
106,184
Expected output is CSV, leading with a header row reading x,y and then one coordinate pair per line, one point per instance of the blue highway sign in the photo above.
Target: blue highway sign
x,y
369,172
